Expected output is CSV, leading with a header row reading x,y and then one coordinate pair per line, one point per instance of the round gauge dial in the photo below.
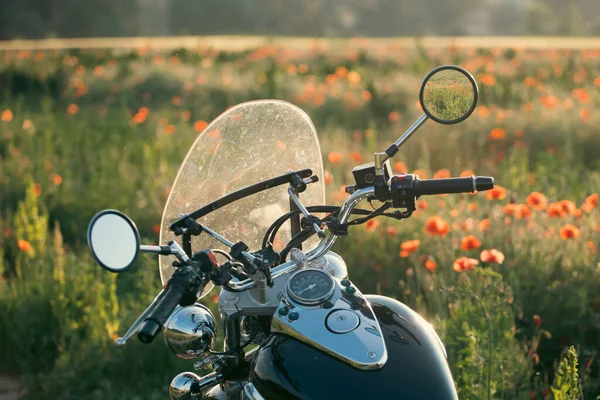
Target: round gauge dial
x,y
310,286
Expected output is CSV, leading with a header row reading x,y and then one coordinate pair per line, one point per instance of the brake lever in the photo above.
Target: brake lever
x,y
178,252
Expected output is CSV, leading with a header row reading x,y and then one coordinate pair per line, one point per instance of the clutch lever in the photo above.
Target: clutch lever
x,y
135,327
173,248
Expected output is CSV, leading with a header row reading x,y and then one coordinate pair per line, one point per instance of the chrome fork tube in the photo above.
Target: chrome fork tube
x,y
232,332
233,341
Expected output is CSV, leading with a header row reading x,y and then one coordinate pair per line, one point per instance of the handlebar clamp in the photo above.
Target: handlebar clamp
x,y
402,187
337,228
306,223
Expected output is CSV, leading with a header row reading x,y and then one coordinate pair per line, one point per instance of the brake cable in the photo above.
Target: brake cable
x,y
304,235
274,228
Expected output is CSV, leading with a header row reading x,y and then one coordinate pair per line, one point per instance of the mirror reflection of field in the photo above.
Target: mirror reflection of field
x,y
85,130
448,95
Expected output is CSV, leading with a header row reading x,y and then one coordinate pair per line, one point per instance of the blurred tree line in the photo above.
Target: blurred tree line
x,y
93,18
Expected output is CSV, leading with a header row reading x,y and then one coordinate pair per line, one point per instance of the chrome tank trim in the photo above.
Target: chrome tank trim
x,y
251,393
361,345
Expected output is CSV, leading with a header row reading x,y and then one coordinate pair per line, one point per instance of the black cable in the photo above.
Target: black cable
x,y
274,228
376,213
304,235
299,238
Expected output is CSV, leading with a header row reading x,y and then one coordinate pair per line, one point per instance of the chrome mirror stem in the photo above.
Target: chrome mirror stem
x,y
409,132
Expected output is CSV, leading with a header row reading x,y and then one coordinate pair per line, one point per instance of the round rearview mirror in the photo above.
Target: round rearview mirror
x,y
449,94
114,240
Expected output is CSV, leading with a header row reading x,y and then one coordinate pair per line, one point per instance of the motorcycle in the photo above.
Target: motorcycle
x,y
247,195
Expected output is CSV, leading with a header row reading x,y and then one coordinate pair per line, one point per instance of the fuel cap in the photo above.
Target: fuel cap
x,y
342,321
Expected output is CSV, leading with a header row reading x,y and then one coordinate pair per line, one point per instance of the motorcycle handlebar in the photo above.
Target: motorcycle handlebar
x,y
165,306
407,185
452,185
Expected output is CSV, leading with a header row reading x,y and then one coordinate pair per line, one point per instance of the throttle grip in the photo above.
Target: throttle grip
x,y
452,185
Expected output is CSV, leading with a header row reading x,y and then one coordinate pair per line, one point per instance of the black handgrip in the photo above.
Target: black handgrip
x,y
453,185
484,183
155,320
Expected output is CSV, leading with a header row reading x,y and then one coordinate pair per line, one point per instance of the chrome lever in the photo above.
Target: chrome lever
x,y
135,327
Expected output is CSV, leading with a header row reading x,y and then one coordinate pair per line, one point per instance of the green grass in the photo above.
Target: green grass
x,y
505,326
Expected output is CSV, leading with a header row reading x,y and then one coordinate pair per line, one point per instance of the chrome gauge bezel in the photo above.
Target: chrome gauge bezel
x,y
311,302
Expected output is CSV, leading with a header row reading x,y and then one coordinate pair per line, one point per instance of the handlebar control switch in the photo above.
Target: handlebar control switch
x,y
402,187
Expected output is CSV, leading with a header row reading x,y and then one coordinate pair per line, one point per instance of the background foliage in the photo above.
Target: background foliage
x,y
82,130
92,18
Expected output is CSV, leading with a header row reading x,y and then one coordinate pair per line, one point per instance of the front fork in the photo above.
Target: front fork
x,y
232,323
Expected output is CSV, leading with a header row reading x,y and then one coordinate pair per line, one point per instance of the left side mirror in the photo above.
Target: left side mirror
x,y
114,240
448,94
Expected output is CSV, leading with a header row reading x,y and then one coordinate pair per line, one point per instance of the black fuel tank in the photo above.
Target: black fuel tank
x,y
285,368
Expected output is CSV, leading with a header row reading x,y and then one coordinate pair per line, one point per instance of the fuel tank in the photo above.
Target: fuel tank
x,y
285,368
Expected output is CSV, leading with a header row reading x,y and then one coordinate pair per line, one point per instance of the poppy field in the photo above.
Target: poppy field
x,y
510,278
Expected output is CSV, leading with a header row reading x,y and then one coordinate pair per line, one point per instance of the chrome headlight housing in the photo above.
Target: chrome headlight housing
x,y
190,331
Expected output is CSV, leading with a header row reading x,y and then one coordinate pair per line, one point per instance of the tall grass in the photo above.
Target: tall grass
x,y
85,130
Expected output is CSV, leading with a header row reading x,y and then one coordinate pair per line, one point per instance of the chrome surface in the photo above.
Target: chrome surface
x,y
178,251
206,361
362,347
248,300
190,331
342,321
297,256
251,393
326,244
135,327
299,296
151,249
303,210
254,301
409,132
334,264
379,159
189,386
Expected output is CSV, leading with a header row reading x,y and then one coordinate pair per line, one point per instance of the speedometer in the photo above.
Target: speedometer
x,y
310,286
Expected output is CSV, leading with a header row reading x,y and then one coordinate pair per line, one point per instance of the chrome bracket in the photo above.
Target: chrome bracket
x,y
298,257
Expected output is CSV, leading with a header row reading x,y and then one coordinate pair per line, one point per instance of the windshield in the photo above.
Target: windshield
x,y
248,143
